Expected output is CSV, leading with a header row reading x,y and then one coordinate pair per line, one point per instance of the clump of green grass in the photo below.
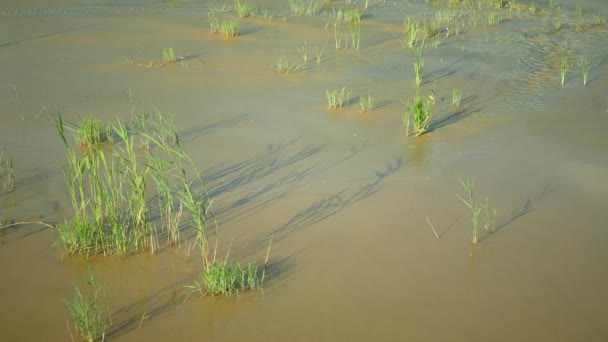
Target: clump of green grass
x,y
7,171
417,116
418,60
477,205
169,56
338,34
411,33
353,14
337,98
284,66
91,132
229,28
565,62
243,8
304,53
305,8
15,96
85,311
354,27
456,97
585,66
367,103
493,19
223,278
111,190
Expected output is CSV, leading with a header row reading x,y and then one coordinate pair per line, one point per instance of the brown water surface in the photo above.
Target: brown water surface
x,y
346,197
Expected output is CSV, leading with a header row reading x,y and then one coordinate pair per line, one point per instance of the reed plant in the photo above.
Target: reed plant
x,y
585,66
319,54
354,27
456,97
169,56
85,310
304,53
15,97
338,35
490,215
477,205
353,14
337,98
214,23
473,205
565,62
367,103
305,7
417,116
243,8
418,60
229,28
221,7
110,190
224,278
411,33
91,132
284,66
7,171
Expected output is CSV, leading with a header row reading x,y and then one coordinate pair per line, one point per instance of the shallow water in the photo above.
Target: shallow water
x,y
346,197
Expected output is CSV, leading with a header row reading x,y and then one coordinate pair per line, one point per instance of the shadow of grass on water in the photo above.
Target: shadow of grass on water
x,y
333,204
142,311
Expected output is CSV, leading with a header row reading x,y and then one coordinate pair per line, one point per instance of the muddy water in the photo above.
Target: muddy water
x,y
346,198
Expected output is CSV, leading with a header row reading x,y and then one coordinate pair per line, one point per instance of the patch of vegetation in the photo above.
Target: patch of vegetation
x,y
477,206
417,116
222,278
337,98
565,61
418,61
111,190
243,8
91,132
169,56
284,66
351,14
585,66
456,97
305,7
367,103
85,311
227,28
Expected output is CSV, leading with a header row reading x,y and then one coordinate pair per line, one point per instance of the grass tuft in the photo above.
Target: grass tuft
x,y
111,189
229,28
243,8
91,132
565,62
85,311
284,66
337,98
305,8
417,116
585,66
477,205
169,56
367,103
456,97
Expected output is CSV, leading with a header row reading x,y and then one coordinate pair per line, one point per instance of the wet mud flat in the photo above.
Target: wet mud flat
x,y
352,205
